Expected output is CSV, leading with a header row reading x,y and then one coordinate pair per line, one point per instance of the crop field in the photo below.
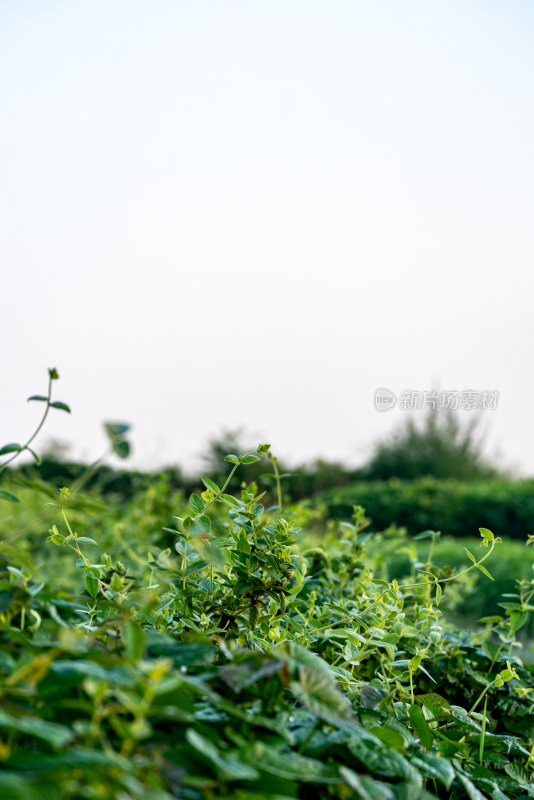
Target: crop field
x,y
230,644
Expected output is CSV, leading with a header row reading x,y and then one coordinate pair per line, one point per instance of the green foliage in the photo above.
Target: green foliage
x,y
205,648
457,508
439,446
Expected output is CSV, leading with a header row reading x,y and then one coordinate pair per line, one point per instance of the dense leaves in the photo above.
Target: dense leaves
x,y
212,648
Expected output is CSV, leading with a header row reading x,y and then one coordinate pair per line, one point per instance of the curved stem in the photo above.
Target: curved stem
x,y
34,434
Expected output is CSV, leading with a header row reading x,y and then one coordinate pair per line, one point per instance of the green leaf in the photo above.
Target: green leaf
x,y
13,447
116,428
517,620
434,702
485,571
249,459
370,696
231,500
439,592
471,556
420,726
40,398
209,484
232,458
60,406
36,458
436,767
289,765
486,534
134,640
50,732
414,663
121,448
85,539
366,788
320,695
91,584
53,373
5,495
472,792
196,503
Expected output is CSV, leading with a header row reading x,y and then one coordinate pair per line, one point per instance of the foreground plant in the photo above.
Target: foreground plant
x,y
223,656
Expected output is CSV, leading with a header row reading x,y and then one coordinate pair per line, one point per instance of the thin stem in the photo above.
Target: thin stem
x,y
221,491
483,731
37,430
480,698
278,484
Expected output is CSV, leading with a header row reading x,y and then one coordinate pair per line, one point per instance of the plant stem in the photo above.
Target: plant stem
x,y
278,484
34,434
483,731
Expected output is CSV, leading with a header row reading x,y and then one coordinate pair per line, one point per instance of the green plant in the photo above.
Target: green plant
x,y
14,450
228,656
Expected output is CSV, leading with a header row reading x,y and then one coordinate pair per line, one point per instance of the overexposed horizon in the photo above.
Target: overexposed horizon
x,y
255,214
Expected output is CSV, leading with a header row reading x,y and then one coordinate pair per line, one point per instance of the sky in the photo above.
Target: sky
x,y
224,214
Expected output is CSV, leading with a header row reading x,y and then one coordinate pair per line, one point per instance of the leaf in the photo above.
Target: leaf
x,y
250,458
486,534
232,501
13,447
209,484
40,398
517,620
420,726
5,495
472,791
5,600
228,767
50,732
434,702
436,767
485,571
91,584
196,503
439,593
85,539
60,406
381,760
320,695
134,639
116,428
471,556
36,458
366,788
289,765
413,666
370,696
232,458
121,448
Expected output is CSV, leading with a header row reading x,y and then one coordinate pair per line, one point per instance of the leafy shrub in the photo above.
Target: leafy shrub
x,y
224,657
439,446
456,508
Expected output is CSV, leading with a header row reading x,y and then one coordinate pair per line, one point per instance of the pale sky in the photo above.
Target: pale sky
x,y
217,214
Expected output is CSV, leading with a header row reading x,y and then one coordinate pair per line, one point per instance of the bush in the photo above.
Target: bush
x,y
455,508
439,446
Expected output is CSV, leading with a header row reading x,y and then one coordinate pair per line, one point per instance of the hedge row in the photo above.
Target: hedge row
x,y
457,509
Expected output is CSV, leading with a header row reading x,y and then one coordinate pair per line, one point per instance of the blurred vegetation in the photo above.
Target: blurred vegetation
x,y
438,445
455,507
